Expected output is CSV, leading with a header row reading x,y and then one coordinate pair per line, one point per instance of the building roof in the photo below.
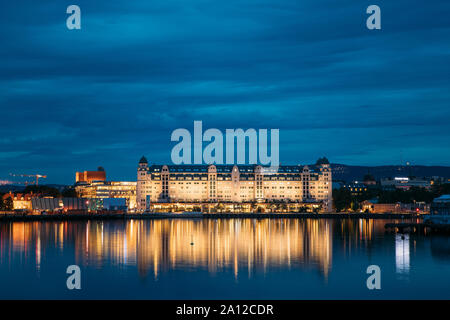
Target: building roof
x,y
143,160
443,198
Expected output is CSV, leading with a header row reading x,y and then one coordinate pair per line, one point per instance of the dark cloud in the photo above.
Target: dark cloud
x,y
105,95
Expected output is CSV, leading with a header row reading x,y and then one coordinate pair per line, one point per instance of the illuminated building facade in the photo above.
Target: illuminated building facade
x,y
232,184
20,201
405,183
91,176
109,189
356,189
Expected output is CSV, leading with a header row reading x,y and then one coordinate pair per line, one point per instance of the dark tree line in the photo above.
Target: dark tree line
x,y
46,191
6,204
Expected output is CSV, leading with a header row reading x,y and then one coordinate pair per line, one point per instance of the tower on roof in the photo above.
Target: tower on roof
x,y
143,160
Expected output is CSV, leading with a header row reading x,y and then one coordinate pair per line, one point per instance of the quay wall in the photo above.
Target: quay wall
x,y
115,216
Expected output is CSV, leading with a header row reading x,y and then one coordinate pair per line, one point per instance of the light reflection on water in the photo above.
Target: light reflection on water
x,y
402,252
170,244
244,248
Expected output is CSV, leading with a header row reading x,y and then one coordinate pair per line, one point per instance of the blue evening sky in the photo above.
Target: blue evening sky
x,y
137,70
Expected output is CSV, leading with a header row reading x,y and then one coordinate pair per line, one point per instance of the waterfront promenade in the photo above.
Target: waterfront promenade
x,y
115,216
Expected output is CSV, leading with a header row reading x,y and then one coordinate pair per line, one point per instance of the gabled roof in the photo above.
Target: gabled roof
x,y
143,160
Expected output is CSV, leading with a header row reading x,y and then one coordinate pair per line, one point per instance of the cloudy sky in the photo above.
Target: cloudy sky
x,y
137,70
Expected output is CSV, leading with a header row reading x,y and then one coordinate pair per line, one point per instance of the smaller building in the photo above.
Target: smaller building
x,y
21,201
372,206
77,205
405,183
441,205
115,204
356,189
416,207
90,176
440,211
109,189
40,205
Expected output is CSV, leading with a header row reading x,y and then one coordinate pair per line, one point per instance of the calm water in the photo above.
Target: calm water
x,y
222,259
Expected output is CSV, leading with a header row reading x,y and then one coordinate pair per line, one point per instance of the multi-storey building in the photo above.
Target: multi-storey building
x,y
109,189
232,184
20,201
405,183
356,189
90,176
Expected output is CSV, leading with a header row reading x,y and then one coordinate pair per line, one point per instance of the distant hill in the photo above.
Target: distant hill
x,y
340,172
351,173
9,187
14,188
60,187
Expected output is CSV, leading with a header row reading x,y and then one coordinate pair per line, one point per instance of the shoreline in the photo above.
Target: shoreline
x,y
146,216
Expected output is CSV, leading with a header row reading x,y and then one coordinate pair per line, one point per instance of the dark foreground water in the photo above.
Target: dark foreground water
x,y
220,259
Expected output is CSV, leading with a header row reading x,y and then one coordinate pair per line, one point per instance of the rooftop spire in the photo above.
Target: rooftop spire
x,y
143,160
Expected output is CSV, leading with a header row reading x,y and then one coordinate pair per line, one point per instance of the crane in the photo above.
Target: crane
x,y
37,176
